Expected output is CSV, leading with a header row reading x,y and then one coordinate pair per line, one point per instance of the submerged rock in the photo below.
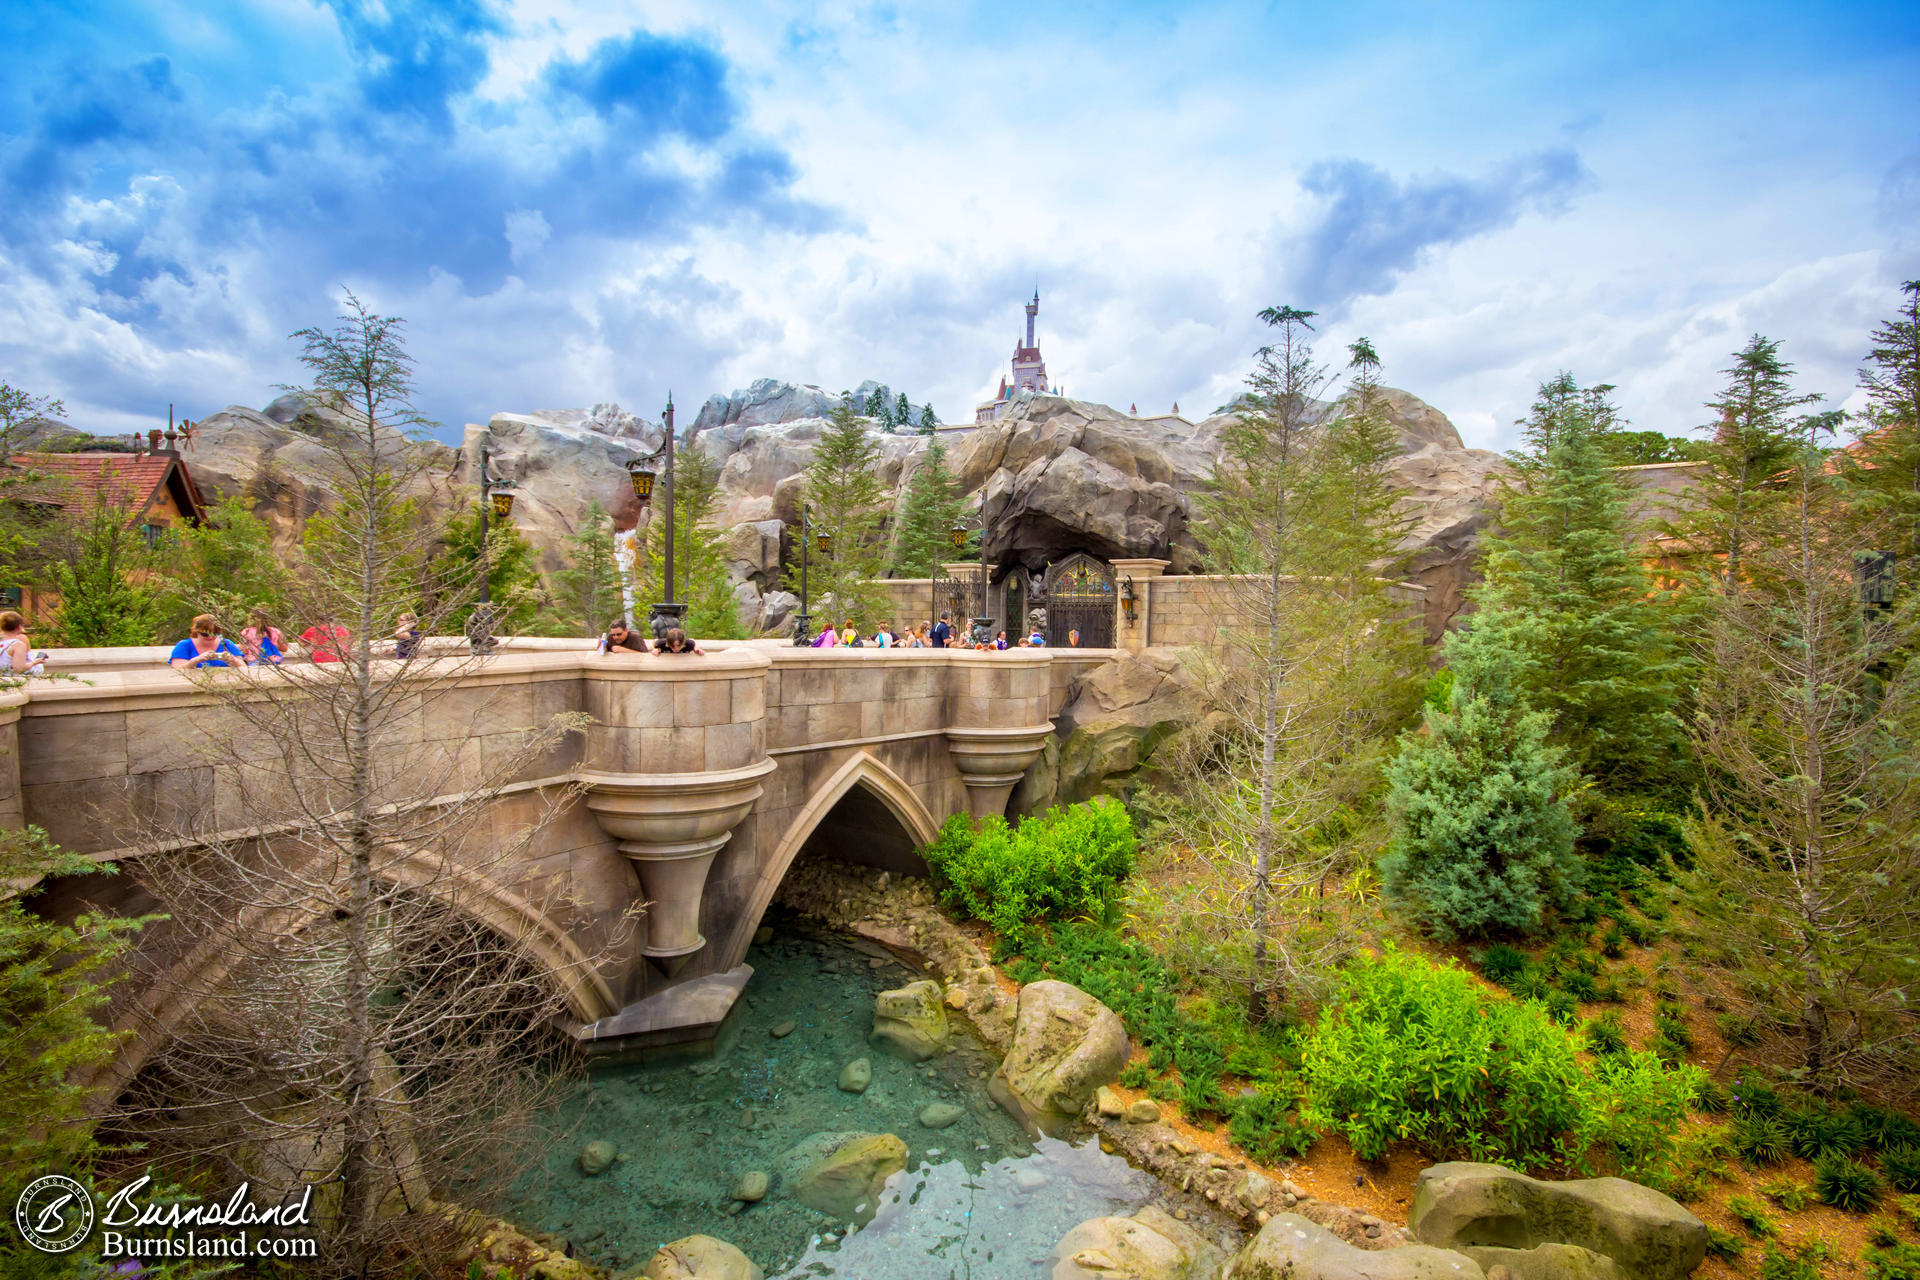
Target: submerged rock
x,y
782,1030
938,1115
856,1076
700,1258
1291,1248
841,1174
597,1157
1147,1246
1065,1046
751,1186
910,1021
1492,1209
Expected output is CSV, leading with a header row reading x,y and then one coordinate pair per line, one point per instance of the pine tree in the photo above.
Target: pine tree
x,y
903,412
847,503
932,506
588,589
227,566
1808,847
928,422
1566,591
1883,471
1733,504
1483,840
513,578
878,407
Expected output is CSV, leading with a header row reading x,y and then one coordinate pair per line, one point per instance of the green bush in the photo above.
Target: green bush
x,y
1414,1052
1846,1184
1897,1262
1761,1140
1790,1264
1902,1166
1503,965
1607,1034
1266,1126
1724,1244
1060,865
1788,1194
1818,1133
1613,942
1884,1130
1753,1215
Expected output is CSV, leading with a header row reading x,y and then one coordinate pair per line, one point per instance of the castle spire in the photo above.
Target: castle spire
x,y
1033,309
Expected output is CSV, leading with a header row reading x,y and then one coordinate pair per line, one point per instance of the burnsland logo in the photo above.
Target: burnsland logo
x,y
54,1213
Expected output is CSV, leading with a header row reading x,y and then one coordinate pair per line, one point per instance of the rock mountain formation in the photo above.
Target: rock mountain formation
x,y
1055,475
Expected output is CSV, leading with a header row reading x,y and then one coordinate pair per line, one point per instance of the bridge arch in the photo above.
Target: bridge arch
x,y
865,772
160,1010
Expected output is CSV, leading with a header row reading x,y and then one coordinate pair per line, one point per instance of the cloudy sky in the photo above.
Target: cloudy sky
x,y
582,200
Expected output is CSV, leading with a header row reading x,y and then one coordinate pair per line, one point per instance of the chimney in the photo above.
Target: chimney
x,y
153,440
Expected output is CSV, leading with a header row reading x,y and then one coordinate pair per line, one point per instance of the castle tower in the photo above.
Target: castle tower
x,y
1029,370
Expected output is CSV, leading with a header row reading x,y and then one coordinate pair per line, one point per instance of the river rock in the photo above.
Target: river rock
x,y
910,1021
1143,1111
1065,1046
856,1076
839,1174
1648,1236
781,1031
1108,1103
1291,1248
751,1186
597,1157
700,1258
938,1115
1147,1246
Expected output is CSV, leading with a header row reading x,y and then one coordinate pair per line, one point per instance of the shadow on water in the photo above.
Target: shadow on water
x,y
977,1199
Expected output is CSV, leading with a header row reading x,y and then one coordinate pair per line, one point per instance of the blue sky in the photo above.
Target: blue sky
x,y
575,200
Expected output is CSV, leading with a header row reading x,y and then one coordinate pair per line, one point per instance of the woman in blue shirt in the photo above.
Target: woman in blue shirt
x,y
204,646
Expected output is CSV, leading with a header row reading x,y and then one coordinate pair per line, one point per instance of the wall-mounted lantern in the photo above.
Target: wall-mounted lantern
x,y
823,542
1127,599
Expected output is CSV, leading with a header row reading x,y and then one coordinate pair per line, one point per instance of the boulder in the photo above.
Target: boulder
x,y
911,1021
938,1115
1066,1044
750,1187
842,1174
1143,1111
856,1076
700,1258
776,607
597,1157
1291,1248
1546,1262
1108,1103
1113,718
1466,1206
1150,1245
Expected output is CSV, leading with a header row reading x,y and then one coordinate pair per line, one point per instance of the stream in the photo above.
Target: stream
x,y
977,1200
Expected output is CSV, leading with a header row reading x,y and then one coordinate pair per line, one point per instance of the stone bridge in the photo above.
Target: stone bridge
x,y
697,784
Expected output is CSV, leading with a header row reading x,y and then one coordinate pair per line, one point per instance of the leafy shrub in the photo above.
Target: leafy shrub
x,y
1670,1025
1818,1133
1753,1215
1790,1264
1897,1262
1503,965
1266,1127
1638,931
1561,1007
1135,1075
1754,1097
1902,1167
1411,1051
1761,1140
1714,1099
1580,986
1724,1244
1908,1207
1059,865
1883,1229
1884,1130
1613,943
1788,1194
1607,1034
1482,836
1846,1184
1738,1030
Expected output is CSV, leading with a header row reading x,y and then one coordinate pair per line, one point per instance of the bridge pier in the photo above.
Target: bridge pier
x,y
992,761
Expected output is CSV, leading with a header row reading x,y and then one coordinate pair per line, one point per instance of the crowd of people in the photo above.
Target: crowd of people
x,y
928,635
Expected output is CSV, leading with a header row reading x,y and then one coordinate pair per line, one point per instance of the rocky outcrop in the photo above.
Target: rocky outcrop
x,y
1149,1245
1492,1210
911,1022
700,1258
770,401
1291,1248
1113,718
842,1174
1066,1044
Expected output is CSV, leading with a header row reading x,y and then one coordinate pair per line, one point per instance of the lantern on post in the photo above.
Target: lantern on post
x,y
823,542
501,496
958,536
642,476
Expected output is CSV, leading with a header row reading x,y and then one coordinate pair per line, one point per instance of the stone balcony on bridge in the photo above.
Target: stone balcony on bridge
x,y
669,823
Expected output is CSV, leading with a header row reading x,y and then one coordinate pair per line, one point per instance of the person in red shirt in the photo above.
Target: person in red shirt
x,y
325,643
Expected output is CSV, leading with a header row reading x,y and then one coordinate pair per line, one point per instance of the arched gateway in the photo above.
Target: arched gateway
x,y
1080,598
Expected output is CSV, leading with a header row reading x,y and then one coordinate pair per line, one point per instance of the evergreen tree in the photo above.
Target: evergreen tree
x,y
513,577
227,566
903,412
932,506
588,589
1733,504
928,422
1883,471
847,502
1565,590
1808,845
103,573
53,977
877,406
700,564
1483,840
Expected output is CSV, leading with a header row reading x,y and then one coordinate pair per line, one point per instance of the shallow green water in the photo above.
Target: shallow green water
x,y
977,1200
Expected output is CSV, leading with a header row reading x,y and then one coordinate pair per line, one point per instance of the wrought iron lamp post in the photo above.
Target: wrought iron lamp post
x,y
982,620
668,612
803,621
498,498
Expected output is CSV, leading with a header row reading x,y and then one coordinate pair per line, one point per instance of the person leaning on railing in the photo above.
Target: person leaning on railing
x,y
205,647
621,638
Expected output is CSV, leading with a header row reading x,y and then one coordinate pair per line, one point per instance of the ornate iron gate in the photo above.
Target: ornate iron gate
x,y
1080,598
